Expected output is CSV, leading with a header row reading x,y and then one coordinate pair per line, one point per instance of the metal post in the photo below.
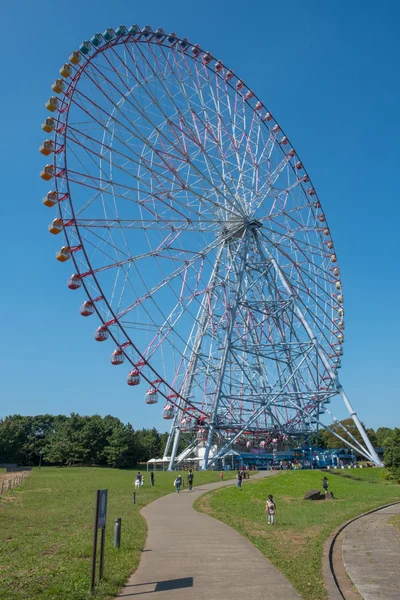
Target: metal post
x,y
134,498
117,533
102,544
94,548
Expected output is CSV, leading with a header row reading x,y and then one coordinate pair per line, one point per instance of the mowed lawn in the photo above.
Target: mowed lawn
x,y
295,543
46,529
371,475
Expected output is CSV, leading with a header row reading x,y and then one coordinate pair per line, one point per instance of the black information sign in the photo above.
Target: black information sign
x,y
101,521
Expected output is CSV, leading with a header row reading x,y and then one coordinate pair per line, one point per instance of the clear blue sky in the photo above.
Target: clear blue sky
x,y
330,74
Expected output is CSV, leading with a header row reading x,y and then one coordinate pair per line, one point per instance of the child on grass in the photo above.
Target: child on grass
x,y
270,508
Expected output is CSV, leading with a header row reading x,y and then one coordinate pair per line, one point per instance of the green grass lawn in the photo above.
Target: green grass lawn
x,y
372,475
46,529
295,544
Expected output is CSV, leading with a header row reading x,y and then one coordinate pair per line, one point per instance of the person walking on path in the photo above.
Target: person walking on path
x,y
239,477
190,478
151,478
325,484
178,483
221,475
270,508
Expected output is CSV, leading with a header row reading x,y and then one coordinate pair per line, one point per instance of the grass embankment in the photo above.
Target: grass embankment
x,y
371,475
295,544
46,529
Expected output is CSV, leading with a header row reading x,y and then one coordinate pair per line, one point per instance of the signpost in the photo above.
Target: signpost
x,y
99,523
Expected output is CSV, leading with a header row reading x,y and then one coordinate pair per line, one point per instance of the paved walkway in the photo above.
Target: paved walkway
x,y
189,555
371,555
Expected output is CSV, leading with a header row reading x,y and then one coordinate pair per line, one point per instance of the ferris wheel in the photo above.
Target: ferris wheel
x,y
199,240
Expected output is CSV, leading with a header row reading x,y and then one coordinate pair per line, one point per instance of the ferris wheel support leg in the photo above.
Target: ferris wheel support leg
x,y
322,356
374,457
170,436
174,449
202,319
225,354
274,395
208,448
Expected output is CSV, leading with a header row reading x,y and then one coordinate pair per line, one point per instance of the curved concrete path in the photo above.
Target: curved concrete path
x,y
371,555
191,555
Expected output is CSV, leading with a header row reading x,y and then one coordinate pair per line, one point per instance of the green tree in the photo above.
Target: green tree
x,y
392,454
64,445
12,438
93,435
121,449
382,434
148,444
90,440
332,441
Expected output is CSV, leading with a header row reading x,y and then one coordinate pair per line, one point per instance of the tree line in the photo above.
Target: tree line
x,y
326,439
76,439
106,441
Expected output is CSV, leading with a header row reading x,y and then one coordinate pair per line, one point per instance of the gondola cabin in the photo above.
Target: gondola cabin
x,y
117,357
87,308
56,226
133,378
151,396
63,254
101,334
168,412
74,282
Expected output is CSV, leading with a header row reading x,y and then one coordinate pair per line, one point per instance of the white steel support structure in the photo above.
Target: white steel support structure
x,y
223,435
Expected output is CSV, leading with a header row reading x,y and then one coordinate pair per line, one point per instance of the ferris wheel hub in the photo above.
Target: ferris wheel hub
x,y
237,227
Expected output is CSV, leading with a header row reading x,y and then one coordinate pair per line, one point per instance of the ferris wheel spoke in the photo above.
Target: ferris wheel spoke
x,y
214,134
96,183
151,254
318,323
194,136
177,272
269,185
203,198
160,131
302,272
156,224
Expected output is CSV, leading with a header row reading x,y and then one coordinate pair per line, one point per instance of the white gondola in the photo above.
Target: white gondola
x,y
151,396
133,378
168,412
117,357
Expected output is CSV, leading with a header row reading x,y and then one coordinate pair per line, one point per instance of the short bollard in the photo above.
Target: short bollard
x,y
134,498
117,533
